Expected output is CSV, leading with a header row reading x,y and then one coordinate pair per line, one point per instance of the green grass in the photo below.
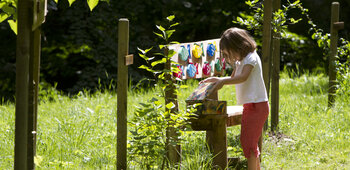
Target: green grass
x,y
80,132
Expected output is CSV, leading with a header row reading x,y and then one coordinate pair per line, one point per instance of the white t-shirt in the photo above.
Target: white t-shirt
x,y
253,89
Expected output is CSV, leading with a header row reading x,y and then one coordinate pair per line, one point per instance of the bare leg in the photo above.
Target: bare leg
x,y
258,163
253,162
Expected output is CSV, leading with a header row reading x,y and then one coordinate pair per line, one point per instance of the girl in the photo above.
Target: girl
x,y
238,48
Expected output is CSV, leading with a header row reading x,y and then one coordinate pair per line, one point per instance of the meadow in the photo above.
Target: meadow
x,y
79,132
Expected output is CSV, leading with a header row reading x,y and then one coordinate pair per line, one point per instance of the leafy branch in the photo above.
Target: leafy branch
x,y
8,10
280,21
153,119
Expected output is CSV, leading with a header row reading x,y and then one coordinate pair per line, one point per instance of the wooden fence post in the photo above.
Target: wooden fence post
x,y
275,72
266,47
266,43
335,26
34,73
173,152
266,54
122,87
24,28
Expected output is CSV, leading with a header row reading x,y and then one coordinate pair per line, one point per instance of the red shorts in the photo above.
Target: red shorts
x,y
253,119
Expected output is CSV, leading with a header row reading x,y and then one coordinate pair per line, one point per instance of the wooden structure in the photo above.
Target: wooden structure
x,y
214,117
122,87
266,48
31,14
275,70
335,27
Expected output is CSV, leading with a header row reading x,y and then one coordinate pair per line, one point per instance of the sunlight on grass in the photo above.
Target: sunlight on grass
x,y
79,132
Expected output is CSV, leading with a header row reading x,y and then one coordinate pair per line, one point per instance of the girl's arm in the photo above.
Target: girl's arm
x,y
221,81
247,69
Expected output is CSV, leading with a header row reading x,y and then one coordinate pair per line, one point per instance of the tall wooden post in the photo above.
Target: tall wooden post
x,y
266,47
24,27
266,53
34,73
275,73
266,43
122,87
173,152
335,26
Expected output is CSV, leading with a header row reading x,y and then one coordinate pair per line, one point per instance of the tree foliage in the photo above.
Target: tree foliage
x,y
79,47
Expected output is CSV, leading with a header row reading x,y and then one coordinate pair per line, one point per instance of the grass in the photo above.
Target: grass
x,y
79,132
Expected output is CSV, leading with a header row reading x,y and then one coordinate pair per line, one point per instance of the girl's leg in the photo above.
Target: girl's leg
x,y
253,119
253,162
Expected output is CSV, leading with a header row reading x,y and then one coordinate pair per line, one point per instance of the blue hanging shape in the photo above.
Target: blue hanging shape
x,y
191,70
189,51
183,53
211,50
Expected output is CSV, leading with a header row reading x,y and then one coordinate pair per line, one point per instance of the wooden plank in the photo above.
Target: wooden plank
x,y
219,143
333,52
39,13
123,48
22,82
205,122
338,25
275,73
205,107
129,59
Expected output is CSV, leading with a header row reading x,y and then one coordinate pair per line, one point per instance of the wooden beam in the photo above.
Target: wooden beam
x,y
22,81
333,52
122,88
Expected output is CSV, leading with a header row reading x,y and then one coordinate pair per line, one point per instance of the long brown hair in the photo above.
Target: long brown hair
x,y
237,40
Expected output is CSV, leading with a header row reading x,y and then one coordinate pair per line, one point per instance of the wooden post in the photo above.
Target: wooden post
x,y
266,54
266,44
122,87
335,26
275,73
217,138
22,82
266,47
173,152
34,73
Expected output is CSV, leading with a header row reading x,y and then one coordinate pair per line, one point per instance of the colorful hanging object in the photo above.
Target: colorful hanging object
x,y
206,68
223,61
197,51
211,48
212,64
191,70
180,73
182,70
189,51
218,66
196,65
183,53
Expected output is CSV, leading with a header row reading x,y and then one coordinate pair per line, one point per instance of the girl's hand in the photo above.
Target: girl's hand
x,y
218,85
